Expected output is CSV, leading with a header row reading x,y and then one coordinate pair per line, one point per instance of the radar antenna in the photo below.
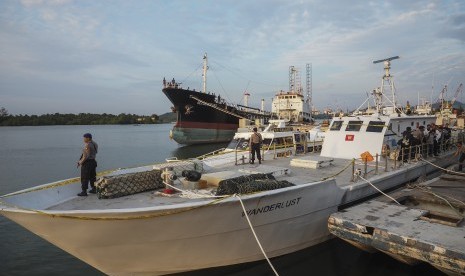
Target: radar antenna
x,y
386,83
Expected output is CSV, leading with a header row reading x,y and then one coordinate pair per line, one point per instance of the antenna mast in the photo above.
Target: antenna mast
x,y
295,85
387,81
204,73
309,87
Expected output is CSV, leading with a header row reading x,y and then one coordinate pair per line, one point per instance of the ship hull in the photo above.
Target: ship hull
x,y
204,118
202,132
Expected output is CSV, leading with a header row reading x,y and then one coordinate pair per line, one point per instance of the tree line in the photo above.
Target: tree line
x,y
7,119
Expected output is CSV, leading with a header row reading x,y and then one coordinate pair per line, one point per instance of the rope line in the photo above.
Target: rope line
x,y
336,174
446,170
255,235
372,185
440,196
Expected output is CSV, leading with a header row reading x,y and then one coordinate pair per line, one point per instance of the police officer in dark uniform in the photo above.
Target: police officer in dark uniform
x,y
88,165
255,144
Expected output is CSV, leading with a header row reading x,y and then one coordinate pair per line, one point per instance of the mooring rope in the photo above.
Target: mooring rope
x,y
372,185
444,169
255,235
243,209
440,196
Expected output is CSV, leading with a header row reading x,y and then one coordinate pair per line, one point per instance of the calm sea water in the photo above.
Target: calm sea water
x,y
30,156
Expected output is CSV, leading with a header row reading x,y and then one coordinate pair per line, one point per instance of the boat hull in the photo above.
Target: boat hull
x,y
190,236
191,239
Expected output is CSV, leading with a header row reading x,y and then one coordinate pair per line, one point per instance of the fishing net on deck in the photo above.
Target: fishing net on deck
x,y
128,184
250,183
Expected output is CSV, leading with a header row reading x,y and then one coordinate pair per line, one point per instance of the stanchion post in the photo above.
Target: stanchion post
x,y
274,150
353,171
376,168
403,155
365,169
409,154
386,163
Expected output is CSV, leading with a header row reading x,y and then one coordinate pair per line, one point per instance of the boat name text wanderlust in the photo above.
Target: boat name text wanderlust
x,y
273,207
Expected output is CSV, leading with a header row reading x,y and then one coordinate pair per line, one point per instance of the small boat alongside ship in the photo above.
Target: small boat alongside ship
x,y
286,200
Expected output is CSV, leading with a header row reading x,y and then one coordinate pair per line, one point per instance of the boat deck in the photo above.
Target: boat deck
x,y
339,169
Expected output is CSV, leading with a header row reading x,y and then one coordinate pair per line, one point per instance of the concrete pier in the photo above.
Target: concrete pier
x,y
427,226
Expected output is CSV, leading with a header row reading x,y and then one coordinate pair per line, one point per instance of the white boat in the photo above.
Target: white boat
x,y
151,233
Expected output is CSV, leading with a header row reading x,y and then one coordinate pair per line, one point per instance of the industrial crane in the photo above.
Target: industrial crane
x,y
457,92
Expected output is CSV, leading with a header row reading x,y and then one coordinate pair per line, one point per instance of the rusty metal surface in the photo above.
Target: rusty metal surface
x,y
400,230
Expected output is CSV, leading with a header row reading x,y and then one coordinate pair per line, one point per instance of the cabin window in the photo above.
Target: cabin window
x,y
411,124
336,125
375,126
354,126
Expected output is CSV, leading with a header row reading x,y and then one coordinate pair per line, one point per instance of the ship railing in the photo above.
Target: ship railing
x,y
402,156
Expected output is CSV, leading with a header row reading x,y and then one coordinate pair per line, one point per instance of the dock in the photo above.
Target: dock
x,y
426,225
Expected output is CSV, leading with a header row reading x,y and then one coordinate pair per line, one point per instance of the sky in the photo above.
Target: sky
x,y
99,56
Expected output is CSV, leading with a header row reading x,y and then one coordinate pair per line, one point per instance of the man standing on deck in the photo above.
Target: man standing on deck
x,y
255,145
88,165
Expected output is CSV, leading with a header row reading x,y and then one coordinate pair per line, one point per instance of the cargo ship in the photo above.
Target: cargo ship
x,y
204,117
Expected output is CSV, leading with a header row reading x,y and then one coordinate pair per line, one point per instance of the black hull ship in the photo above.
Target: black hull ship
x,y
205,117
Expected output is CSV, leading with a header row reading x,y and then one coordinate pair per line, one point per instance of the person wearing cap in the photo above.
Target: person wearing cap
x,y
88,165
255,142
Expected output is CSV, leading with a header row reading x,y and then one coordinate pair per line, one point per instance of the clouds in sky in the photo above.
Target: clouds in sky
x,y
110,56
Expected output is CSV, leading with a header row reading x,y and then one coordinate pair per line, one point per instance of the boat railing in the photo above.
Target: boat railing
x,y
283,150
389,161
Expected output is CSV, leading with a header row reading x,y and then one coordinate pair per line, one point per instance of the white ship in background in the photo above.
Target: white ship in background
x,y
292,105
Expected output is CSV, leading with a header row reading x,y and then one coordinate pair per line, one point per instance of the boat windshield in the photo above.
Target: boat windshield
x,y
336,125
375,126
